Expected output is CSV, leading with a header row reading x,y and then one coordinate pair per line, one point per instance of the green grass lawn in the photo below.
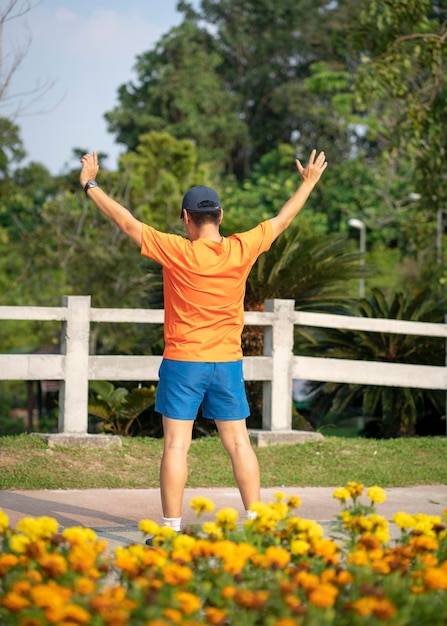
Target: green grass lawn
x,y
26,462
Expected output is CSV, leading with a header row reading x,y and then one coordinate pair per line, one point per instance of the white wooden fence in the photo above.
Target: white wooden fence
x,y
74,367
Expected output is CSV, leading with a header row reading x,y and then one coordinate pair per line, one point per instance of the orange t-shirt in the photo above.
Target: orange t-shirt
x,y
204,289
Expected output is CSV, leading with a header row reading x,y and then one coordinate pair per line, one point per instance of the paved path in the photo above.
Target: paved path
x,y
114,513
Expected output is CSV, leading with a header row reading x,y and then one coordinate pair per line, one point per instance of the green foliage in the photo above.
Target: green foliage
x,y
390,411
117,408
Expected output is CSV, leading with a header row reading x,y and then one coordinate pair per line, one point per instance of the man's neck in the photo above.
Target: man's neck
x,y
207,231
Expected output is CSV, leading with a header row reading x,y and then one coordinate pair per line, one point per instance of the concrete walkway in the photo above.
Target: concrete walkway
x,y
114,513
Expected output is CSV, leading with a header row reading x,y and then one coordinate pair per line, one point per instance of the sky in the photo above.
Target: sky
x,y
82,51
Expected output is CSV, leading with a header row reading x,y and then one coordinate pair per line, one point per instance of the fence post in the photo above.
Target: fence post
x,y
73,396
278,343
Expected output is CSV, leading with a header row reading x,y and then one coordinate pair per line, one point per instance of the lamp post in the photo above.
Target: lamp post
x,y
359,225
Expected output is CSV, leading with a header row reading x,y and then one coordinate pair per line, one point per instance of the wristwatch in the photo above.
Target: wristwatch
x,y
89,184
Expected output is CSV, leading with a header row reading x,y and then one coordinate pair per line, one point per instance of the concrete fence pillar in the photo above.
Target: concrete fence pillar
x,y
278,344
73,396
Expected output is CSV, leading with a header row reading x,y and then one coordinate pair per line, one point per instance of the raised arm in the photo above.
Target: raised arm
x,y
113,210
310,176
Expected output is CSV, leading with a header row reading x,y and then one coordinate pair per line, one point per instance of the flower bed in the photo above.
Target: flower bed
x,y
275,570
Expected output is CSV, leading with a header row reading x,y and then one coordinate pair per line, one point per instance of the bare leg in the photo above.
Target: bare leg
x,y
174,464
235,439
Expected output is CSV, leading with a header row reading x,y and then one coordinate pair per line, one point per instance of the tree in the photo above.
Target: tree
x,y
232,77
389,411
401,86
181,92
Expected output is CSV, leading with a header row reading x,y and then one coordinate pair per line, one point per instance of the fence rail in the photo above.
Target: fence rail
x,y
74,367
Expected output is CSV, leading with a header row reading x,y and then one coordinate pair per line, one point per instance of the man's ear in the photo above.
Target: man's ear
x,y
221,216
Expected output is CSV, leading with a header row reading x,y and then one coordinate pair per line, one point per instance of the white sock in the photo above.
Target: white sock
x,y
250,514
172,522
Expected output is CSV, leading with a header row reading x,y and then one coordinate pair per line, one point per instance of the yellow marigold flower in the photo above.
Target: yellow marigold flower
x,y
4,521
14,602
376,494
212,529
148,527
215,616
403,520
276,557
202,505
175,574
355,489
299,547
189,603
19,543
78,535
38,528
227,518
341,493
281,508
323,596
279,495
184,542
293,502
164,533
436,578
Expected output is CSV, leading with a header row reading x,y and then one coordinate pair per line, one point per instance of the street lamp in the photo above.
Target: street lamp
x,y
356,223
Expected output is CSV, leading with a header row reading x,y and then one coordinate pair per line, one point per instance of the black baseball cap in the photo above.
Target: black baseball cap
x,y
200,198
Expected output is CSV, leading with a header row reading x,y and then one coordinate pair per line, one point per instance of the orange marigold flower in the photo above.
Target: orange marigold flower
x,y
14,602
85,586
422,543
189,602
323,596
286,621
228,592
173,614
175,574
276,557
384,609
344,578
7,561
251,599
53,565
215,616
436,578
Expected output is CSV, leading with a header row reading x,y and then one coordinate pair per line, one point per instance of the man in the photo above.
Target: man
x,y
204,280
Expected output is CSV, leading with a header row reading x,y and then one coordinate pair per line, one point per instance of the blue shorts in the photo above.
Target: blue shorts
x,y
218,387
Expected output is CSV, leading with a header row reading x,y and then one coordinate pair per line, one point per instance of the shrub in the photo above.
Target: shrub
x,y
275,570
